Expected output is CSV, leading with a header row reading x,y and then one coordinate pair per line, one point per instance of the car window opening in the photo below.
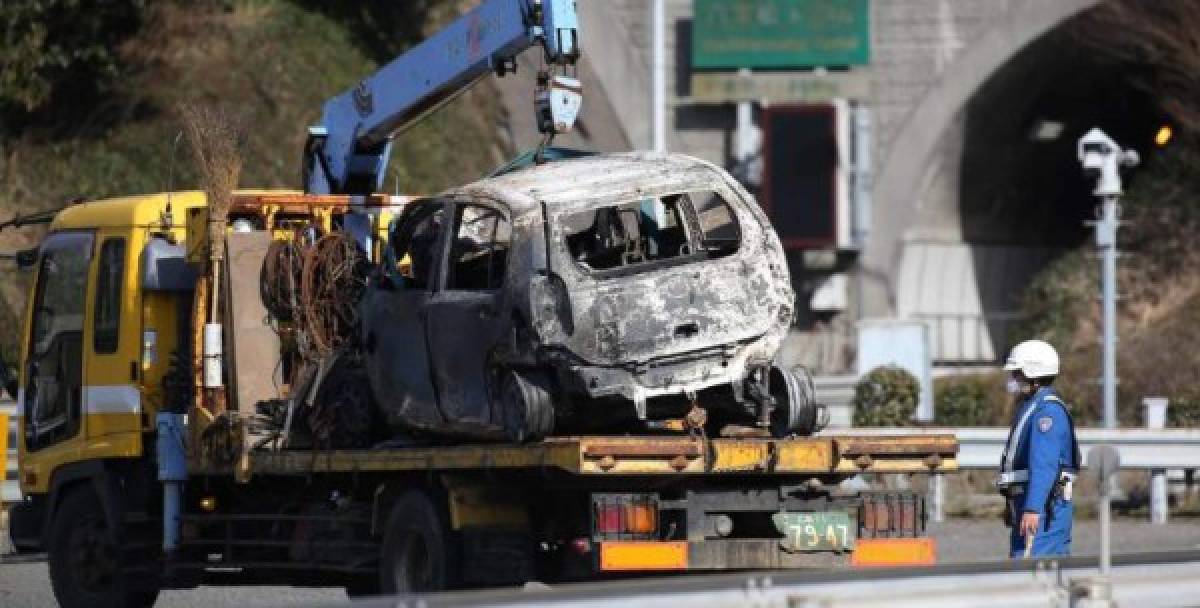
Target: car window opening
x,y
652,230
719,229
413,245
479,253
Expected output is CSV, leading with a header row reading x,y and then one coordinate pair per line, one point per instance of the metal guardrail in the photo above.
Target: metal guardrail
x,y
1145,581
981,447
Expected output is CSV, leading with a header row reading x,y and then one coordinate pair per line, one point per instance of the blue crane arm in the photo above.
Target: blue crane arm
x,y
347,153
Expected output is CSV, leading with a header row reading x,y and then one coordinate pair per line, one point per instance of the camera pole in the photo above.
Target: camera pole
x,y
1106,242
1102,160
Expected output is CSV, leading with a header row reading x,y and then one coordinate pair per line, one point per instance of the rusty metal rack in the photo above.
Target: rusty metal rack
x,y
646,455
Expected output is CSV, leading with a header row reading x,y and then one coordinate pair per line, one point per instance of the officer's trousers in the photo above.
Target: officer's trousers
x,y
1054,532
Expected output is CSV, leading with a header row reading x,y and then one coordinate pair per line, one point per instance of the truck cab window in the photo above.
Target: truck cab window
x,y
479,253
54,373
110,271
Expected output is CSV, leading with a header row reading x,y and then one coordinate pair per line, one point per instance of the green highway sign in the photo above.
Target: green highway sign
x,y
780,34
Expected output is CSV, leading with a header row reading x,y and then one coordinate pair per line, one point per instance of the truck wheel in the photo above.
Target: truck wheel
x,y
417,551
526,410
85,564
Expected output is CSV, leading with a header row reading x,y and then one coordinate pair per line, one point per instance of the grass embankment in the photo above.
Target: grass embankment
x,y
104,123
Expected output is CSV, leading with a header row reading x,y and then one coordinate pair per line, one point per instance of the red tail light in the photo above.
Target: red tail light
x,y
625,515
608,519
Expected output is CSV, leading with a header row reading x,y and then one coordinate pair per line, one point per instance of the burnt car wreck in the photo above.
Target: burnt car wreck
x,y
611,293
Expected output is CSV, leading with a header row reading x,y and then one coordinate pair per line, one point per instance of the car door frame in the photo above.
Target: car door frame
x,y
390,348
467,400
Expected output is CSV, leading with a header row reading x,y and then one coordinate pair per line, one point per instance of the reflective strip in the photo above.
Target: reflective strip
x,y
114,399
1010,451
1010,477
1022,476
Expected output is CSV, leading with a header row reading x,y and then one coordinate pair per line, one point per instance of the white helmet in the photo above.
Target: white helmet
x,y
1034,358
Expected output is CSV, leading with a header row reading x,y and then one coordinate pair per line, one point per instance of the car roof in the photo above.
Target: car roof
x,y
595,180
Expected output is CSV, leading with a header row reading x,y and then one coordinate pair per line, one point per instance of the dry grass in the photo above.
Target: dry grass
x,y
215,137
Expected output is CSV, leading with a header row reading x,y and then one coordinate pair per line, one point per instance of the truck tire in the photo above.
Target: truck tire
x,y
418,554
526,410
85,564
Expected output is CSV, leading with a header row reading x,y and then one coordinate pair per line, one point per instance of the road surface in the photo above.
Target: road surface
x,y
26,585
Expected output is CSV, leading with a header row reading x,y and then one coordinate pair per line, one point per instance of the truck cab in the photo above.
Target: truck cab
x,y
108,297
106,344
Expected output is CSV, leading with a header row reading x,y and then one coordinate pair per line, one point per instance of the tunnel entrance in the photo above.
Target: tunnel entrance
x,y
1022,199
1020,182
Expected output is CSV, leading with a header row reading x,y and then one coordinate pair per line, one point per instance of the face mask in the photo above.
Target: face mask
x,y
1014,386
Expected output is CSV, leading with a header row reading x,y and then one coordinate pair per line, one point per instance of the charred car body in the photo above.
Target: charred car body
x,y
606,293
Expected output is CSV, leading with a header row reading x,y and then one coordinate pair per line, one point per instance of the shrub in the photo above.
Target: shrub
x,y
886,396
1184,413
971,400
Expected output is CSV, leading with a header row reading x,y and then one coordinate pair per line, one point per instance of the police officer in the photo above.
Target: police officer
x,y
1041,458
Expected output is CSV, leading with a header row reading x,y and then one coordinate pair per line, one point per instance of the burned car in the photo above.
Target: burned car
x,y
611,293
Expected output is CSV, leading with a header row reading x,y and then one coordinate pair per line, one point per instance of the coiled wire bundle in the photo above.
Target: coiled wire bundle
x,y
280,284
311,287
332,281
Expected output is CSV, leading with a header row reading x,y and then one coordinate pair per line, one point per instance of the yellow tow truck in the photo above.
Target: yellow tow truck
x,y
111,340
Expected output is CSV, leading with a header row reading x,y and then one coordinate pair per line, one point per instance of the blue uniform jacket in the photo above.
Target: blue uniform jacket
x,y
1046,446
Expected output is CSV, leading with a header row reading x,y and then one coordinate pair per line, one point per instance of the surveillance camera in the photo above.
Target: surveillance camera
x,y
1102,160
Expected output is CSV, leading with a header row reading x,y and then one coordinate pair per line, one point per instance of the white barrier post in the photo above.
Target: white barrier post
x,y
1156,418
937,510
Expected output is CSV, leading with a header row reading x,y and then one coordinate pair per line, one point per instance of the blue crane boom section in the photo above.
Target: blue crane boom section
x,y
347,153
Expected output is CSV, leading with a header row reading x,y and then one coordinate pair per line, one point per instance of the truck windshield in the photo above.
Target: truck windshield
x,y
652,232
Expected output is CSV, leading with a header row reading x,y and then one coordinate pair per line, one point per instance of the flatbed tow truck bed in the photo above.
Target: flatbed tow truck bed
x,y
565,508
831,454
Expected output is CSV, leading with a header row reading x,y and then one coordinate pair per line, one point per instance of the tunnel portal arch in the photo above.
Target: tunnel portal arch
x,y
903,174
971,201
